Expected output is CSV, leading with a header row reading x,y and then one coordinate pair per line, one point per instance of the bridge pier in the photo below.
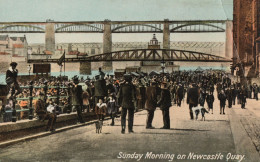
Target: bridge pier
x,y
50,37
107,45
229,39
85,68
166,34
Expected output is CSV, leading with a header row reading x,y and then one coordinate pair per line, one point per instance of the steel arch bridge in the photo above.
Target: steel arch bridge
x,y
116,26
141,55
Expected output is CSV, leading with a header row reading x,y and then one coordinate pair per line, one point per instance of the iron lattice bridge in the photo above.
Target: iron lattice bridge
x,y
141,55
116,26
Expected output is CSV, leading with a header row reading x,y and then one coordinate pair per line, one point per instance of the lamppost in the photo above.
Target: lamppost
x,y
60,70
29,70
163,66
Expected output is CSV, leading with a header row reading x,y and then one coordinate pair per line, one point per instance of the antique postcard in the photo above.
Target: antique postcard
x,y
139,80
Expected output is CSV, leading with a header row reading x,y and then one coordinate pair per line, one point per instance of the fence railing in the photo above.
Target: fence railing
x,y
31,98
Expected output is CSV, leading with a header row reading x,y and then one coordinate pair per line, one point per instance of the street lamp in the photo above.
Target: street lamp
x,y
60,70
29,70
163,66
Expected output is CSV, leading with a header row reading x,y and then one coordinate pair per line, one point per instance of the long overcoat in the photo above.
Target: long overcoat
x,y
127,96
151,98
193,96
165,99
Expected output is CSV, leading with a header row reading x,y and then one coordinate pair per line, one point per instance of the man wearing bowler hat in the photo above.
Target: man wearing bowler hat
x,y
76,99
11,78
150,103
100,91
127,98
165,103
193,98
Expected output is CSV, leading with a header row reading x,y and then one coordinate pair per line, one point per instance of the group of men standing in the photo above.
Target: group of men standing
x,y
159,92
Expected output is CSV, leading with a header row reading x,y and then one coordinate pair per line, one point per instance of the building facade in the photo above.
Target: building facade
x,y
246,30
15,46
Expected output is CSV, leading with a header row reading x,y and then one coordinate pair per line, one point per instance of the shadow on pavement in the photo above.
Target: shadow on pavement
x,y
215,120
188,130
126,125
160,133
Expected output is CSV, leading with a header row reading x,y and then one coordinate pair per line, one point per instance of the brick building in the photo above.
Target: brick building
x,y
16,46
246,32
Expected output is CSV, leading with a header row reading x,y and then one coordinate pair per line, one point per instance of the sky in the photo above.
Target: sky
x,y
116,10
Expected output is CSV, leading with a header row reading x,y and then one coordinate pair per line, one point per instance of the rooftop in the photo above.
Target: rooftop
x,y
21,38
3,37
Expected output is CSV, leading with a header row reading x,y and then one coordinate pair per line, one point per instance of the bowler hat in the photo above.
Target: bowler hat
x,y
13,64
127,77
76,79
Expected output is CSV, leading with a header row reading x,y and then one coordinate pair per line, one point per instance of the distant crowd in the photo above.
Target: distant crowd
x,y
107,95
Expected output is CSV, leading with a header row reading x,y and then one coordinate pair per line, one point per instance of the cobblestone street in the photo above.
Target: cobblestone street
x,y
250,119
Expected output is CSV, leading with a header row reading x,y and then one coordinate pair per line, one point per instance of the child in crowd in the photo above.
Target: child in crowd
x,y
100,109
112,107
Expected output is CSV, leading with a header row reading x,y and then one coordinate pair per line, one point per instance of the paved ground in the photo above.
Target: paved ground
x,y
216,138
250,120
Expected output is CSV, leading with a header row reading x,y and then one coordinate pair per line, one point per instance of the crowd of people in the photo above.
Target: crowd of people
x,y
107,95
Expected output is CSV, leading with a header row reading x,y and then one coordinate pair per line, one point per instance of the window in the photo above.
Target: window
x,y
93,51
170,63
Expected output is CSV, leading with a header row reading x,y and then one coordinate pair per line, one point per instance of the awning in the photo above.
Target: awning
x,y
47,52
154,73
135,74
120,71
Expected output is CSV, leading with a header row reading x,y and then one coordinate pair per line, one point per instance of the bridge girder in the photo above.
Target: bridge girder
x,y
142,55
116,26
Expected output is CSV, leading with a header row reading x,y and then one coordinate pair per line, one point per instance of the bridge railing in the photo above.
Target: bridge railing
x,y
31,97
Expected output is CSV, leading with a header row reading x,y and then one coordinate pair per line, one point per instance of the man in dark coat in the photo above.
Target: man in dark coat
x,y
44,115
173,92
255,90
165,103
100,88
234,94
219,87
202,97
11,79
210,99
211,88
243,95
222,99
229,97
76,98
249,90
127,98
179,94
192,98
150,104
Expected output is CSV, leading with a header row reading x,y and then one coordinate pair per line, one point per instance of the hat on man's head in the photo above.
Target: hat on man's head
x,y
97,77
127,77
75,79
13,64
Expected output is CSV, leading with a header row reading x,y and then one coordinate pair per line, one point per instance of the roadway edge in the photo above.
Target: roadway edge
x,y
43,134
243,143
